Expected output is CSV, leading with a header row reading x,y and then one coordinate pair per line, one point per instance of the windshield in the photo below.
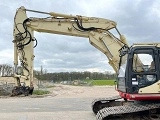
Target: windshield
x,y
122,67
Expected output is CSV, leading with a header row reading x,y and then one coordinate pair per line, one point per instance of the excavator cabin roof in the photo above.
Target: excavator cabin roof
x,y
146,44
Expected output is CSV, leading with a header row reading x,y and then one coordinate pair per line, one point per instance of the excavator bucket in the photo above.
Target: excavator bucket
x,y
19,90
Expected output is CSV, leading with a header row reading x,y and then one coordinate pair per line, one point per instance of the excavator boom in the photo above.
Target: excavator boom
x,y
96,29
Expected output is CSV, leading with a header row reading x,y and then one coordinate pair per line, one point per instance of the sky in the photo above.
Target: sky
x,y
138,20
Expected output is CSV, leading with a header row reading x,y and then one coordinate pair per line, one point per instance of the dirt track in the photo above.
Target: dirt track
x,y
82,91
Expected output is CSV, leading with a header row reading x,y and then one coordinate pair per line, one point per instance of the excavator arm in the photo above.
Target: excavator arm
x,y
96,29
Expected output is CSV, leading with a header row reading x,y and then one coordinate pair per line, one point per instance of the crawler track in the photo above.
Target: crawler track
x,y
130,111
113,109
101,103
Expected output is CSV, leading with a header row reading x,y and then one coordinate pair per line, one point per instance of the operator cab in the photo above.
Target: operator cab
x,y
138,71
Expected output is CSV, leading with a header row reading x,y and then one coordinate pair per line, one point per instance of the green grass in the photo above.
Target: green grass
x,y
50,86
40,92
101,82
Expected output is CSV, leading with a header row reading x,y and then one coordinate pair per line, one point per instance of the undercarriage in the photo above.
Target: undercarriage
x,y
115,108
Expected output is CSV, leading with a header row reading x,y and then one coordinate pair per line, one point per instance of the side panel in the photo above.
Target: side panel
x,y
154,88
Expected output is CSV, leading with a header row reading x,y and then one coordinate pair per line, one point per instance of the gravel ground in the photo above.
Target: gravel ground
x,y
69,91
65,102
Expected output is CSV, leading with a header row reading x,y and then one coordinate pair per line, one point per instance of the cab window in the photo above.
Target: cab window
x,y
143,62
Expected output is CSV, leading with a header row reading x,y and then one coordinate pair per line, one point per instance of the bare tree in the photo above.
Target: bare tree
x,y
6,70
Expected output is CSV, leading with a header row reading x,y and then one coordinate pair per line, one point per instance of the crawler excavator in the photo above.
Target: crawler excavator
x,y
138,85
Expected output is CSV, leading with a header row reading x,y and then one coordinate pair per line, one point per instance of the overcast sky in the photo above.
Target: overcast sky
x,y
138,20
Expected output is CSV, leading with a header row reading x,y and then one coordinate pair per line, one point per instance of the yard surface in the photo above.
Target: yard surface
x,y
65,102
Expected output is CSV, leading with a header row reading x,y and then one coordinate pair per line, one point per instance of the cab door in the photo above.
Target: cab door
x,y
143,70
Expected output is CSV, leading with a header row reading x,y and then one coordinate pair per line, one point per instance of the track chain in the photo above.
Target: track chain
x,y
125,109
113,98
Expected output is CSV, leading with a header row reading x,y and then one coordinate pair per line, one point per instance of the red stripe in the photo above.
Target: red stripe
x,y
147,96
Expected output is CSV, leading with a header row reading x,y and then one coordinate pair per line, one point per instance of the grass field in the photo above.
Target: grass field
x,y
101,82
40,92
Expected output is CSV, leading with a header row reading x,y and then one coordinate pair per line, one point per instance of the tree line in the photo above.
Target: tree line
x,y
7,70
70,76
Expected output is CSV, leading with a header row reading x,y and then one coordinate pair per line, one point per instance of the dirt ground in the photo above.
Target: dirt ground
x,y
53,106
70,91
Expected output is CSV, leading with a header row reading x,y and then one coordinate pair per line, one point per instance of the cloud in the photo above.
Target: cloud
x,y
136,21
6,56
